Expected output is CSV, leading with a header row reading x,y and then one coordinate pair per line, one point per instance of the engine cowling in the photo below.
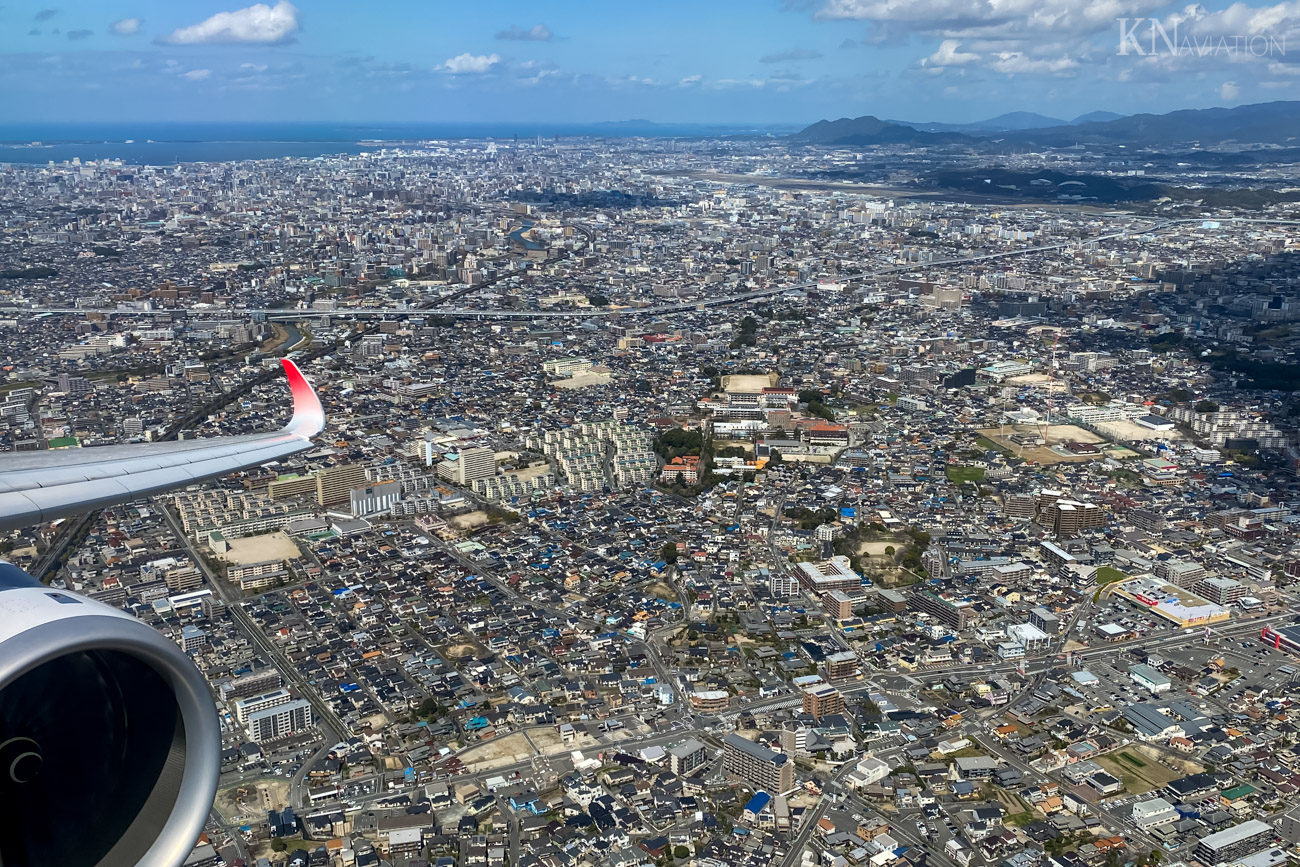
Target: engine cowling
x,y
109,740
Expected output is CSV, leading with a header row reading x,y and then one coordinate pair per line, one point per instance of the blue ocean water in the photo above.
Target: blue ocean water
x,y
164,143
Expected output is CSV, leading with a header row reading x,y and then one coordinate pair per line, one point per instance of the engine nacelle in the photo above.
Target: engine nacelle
x,y
109,741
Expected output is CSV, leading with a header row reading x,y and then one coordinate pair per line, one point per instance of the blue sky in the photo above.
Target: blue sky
x,y
741,61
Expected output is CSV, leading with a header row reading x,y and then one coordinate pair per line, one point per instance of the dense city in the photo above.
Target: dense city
x,y
689,501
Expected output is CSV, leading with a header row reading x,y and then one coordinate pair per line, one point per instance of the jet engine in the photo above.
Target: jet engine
x,y
109,741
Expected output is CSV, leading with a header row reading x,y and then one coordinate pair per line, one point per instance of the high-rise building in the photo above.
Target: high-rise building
x,y
954,611
1068,517
291,485
469,465
686,757
375,499
246,707
835,573
782,584
69,384
334,485
822,699
331,485
253,683
1220,591
280,721
756,765
842,665
1045,620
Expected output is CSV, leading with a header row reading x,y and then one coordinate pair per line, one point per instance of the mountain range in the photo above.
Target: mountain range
x,y
1263,123
1014,120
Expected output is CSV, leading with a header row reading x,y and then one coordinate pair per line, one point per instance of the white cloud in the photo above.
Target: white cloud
x,y
536,33
948,55
1248,31
973,16
1229,91
197,74
125,26
690,81
1034,28
538,72
469,64
253,67
258,24
1014,63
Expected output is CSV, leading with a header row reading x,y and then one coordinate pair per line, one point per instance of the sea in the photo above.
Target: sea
x,y
168,143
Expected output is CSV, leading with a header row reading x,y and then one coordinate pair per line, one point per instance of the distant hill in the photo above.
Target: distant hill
x,y
1013,120
1270,123
868,130
1265,123
1096,117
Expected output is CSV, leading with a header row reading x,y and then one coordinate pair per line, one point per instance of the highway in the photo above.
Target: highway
x,y
603,312
653,310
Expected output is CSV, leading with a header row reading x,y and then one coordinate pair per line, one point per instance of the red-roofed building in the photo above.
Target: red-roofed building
x,y
686,469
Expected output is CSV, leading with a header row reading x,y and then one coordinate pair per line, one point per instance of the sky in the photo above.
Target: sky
x,y
671,61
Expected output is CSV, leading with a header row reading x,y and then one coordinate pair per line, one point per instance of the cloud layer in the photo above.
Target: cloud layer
x,y
258,24
536,33
469,64
125,27
787,56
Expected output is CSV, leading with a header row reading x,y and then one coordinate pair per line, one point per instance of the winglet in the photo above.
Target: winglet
x,y
308,414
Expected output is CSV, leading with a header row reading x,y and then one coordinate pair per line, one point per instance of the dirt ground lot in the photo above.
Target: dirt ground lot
x,y
662,590
1038,380
1127,431
470,520
259,549
582,380
877,549
550,742
250,801
1057,433
498,752
747,382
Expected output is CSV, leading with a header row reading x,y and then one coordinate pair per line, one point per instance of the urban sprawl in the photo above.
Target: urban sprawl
x,y
679,505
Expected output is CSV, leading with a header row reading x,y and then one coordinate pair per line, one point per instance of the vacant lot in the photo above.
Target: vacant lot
x,y
250,801
747,382
582,380
260,549
1109,575
1055,434
1140,772
877,549
1128,431
961,475
1039,380
470,520
498,752
548,741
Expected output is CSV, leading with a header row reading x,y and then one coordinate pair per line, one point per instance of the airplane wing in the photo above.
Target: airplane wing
x,y
36,487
